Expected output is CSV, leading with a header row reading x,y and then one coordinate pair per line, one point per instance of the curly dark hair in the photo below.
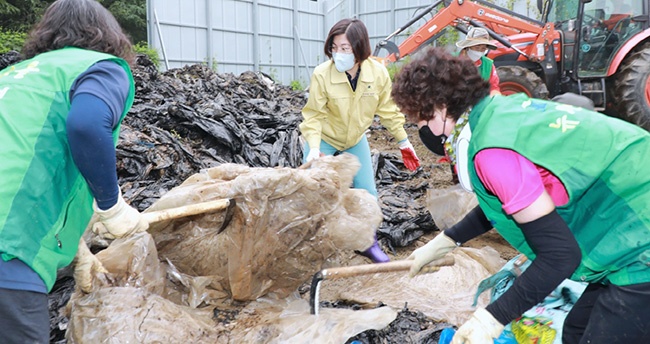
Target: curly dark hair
x,y
435,79
83,24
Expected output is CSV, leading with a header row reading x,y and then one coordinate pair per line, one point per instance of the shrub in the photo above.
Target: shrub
x,y
152,53
11,40
297,85
215,64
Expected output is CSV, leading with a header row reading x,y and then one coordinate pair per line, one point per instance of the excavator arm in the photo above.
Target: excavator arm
x,y
499,22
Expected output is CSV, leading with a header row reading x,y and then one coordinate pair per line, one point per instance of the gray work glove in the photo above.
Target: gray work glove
x,y
86,268
121,220
434,249
481,328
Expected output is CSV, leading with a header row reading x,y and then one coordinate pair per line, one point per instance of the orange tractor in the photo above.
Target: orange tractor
x,y
597,48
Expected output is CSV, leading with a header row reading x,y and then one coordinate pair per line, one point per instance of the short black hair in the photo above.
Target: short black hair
x,y
356,32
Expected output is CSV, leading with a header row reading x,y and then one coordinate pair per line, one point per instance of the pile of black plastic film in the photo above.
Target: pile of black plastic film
x,y
191,118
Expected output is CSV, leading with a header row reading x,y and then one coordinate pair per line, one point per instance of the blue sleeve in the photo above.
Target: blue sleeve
x,y
98,98
107,81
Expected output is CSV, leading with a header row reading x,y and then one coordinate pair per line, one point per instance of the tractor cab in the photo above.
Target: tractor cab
x,y
595,31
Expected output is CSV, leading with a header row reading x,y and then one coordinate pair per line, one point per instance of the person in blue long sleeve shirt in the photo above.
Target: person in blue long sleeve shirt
x,y
60,113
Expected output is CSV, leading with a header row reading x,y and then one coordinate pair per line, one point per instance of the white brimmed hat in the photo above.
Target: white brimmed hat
x,y
476,36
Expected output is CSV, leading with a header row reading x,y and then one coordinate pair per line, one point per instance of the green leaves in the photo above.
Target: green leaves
x,y
21,15
7,8
11,40
143,48
132,16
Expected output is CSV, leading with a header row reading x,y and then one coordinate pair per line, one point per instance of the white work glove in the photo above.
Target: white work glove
x,y
434,249
314,153
481,328
121,220
87,266
411,160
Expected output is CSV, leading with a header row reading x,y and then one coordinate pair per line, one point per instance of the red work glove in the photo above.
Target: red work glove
x,y
411,160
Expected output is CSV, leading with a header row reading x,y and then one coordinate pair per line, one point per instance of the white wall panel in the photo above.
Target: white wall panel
x,y
283,38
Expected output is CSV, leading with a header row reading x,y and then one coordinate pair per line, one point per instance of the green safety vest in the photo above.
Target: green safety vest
x,y
485,69
602,163
45,203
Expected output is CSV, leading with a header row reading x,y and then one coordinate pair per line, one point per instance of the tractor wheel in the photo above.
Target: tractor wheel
x,y
515,79
632,88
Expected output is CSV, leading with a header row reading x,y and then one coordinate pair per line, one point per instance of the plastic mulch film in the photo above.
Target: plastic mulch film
x,y
287,224
288,321
448,206
445,295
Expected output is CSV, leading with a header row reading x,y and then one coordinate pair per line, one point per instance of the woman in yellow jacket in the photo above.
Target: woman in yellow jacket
x,y
345,93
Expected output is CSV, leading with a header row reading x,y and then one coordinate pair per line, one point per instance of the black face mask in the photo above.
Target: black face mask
x,y
435,143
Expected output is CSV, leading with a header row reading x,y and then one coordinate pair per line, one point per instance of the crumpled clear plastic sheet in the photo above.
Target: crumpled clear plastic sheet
x,y
130,306
289,321
445,295
287,225
133,311
448,206
135,315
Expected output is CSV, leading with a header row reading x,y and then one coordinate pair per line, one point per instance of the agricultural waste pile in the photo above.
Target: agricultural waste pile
x,y
287,223
192,118
9,58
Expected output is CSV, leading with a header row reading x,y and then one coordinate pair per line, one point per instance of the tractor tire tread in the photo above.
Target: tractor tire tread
x,y
629,89
526,79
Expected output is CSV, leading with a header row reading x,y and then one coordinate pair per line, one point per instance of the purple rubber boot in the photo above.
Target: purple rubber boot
x,y
375,253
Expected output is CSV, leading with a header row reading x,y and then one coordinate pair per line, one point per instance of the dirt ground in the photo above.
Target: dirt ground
x,y
439,176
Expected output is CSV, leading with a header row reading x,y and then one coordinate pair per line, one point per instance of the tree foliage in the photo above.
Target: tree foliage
x,y
21,15
10,40
132,16
8,8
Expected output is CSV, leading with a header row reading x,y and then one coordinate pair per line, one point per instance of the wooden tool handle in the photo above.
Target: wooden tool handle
x,y
186,210
401,265
521,260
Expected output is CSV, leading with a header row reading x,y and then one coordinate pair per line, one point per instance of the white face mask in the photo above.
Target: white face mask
x,y
475,55
461,147
343,61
